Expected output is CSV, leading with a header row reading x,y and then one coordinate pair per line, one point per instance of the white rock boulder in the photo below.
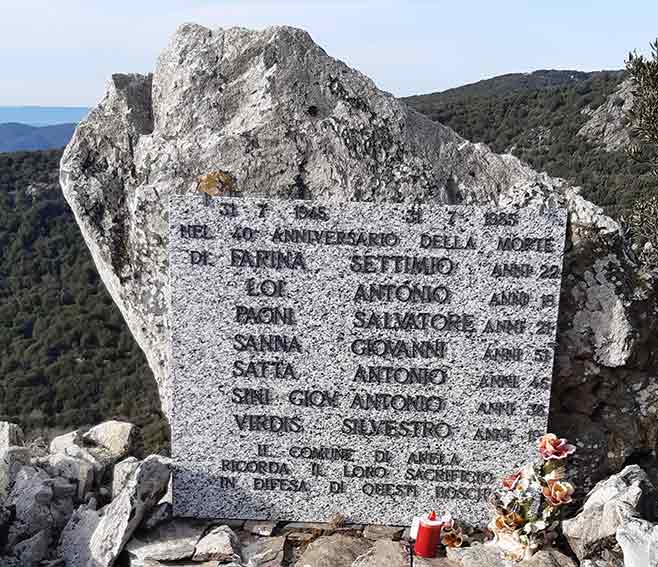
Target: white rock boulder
x,y
95,540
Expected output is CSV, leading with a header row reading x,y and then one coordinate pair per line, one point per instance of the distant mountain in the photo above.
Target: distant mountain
x,y
504,85
16,137
568,123
42,115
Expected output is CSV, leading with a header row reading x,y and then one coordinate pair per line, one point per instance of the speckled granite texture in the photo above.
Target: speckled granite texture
x,y
370,359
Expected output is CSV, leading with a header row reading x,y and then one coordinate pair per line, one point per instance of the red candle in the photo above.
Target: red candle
x,y
429,536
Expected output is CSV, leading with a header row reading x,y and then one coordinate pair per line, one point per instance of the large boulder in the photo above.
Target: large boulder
x,y
219,544
72,445
171,541
263,551
638,540
269,113
121,473
76,469
40,504
30,552
12,459
93,539
11,435
119,438
614,507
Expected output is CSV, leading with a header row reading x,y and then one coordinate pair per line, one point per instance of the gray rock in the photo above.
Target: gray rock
x,y
638,540
40,503
264,552
383,532
478,556
11,435
72,445
548,558
95,540
32,551
120,438
383,552
279,117
12,459
333,551
168,542
260,528
78,470
62,443
220,544
121,472
161,512
611,505
76,537
101,446
608,125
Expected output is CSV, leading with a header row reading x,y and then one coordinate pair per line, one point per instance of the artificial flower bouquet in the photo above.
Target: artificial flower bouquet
x,y
529,503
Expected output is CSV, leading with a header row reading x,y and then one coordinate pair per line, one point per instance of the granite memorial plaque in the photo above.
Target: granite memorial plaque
x,y
377,360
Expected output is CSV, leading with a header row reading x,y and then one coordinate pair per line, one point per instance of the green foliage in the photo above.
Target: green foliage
x,y
644,114
643,219
67,358
536,117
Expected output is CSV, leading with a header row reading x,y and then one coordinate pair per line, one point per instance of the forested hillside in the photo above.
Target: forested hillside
x,y
66,355
537,117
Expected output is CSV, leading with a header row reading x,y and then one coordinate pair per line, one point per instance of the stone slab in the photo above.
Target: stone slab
x,y
374,360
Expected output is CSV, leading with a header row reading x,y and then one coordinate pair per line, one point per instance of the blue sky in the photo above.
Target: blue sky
x,y
60,52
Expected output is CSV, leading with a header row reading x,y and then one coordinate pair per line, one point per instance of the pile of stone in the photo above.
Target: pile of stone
x,y
89,500
78,501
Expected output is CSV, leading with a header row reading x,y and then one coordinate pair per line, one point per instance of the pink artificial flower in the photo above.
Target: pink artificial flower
x,y
510,481
558,492
550,447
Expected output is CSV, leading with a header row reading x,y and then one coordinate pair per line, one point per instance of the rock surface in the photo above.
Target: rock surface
x,y
169,542
76,469
271,114
12,459
220,544
614,504
40,503
94,540
617,527
608,124
478,556
119,438
333,551
11,435
548,558
638,540
384,552
264,552
121,473
32,551
383,532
